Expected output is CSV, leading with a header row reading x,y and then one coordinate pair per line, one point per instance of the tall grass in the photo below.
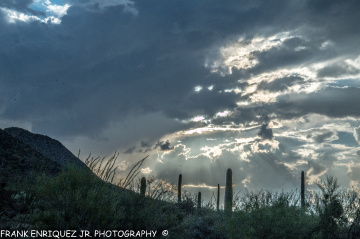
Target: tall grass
x,y
76,199
328,213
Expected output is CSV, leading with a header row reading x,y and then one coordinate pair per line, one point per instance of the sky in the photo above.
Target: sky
x,y
268,88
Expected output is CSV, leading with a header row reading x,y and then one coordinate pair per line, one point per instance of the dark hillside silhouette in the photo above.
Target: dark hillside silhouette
x,y
47,146
18,159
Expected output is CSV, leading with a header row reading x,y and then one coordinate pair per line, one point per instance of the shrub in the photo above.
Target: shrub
x,y
74,199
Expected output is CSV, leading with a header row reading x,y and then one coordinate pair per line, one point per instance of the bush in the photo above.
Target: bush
x,y
78,200
74,199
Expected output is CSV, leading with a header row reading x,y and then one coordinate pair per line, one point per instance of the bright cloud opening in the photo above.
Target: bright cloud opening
x,y
223,114
198,118
15,16
241,54
198,88
56,10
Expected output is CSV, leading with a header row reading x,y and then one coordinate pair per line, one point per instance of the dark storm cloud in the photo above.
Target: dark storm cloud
x,y
130,150
332,102
336,16
265,133
338,69
286,55
164,146
98,66
94,77
145,145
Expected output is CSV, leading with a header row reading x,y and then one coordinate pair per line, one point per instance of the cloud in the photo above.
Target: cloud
x,y
120,73
102,5
197,170
57,10
96,49
130,150
321,138
14,16
164,146
20,6
262,170
337,70
265,133
357,134
321,102
33,11
281,84
105,65
145,145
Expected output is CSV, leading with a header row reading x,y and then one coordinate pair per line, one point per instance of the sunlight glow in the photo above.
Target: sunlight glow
x,y
212,152
223,114
146,170
211,129
235,90
198,88
246,181
327,44
198,118
242,103
264,96
57,10
203,185
313,178
242,53
14,16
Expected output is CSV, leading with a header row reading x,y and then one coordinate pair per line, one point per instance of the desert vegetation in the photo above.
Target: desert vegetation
x,y
77,199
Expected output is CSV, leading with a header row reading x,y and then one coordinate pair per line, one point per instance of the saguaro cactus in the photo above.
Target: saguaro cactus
x,y
199,200
179,188
302,189
143,186
218,198
228,192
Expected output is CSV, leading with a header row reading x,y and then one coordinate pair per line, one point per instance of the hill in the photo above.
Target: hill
x,y
39,191
50,148
18,159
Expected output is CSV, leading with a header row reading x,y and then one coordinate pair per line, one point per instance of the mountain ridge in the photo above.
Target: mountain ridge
x,y
23,152
46,145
